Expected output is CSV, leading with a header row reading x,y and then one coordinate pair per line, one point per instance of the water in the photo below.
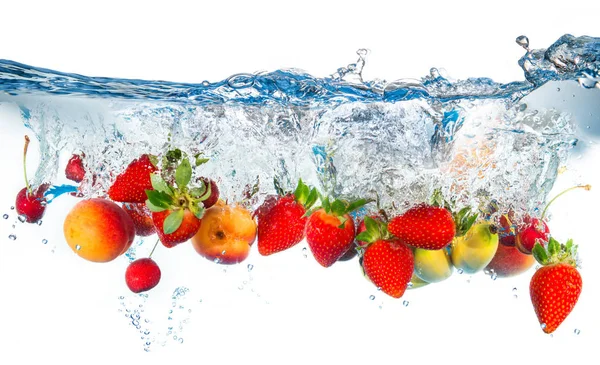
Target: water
x,y
396,140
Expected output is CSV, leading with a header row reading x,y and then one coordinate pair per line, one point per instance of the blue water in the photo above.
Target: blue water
x,y
569,58
348,136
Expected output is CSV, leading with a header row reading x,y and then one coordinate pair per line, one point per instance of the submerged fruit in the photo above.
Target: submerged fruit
x,y
433,266
474,251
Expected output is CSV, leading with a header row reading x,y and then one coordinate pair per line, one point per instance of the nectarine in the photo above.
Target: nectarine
x,y
509,261
98,230
226,233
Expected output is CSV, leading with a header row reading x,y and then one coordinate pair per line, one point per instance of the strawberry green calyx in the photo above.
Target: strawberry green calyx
x,y
375,230
305,196
177,198
463,219
555,253
339,208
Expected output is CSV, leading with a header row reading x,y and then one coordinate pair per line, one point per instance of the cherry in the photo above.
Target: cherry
x,y
143,274
30,204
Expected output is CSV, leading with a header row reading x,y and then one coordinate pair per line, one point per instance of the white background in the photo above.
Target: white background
x,y
55,307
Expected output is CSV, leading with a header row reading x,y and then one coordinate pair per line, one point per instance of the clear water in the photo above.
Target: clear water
x,y
350,137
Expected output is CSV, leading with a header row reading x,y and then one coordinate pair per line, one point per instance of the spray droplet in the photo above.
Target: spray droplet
x,y
405,303
12,208
22,218
39,223
12,237
523,41
460,271
372,297
44,241
250,267
205,83
304,253
577,331
494,276
5,216
543,326
180,340
78,247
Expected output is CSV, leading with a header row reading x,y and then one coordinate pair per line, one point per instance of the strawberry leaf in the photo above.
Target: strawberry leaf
x,y
173,155
553,247
371,225
159,199
539,253
200,160
154,208
198,192
326,205
173,221
183,174
365,236
338,208
160,185
196,209
357,204
301,192
206,194
312,198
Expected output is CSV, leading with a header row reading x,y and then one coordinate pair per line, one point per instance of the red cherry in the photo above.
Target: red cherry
x,y
32,206
142,275
214,192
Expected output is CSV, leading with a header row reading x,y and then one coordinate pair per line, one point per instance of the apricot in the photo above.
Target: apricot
x,y
509,261
226,234
98,230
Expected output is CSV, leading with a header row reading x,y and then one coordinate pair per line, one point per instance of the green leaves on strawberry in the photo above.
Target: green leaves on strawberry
x,y
555,287
463,219
176,209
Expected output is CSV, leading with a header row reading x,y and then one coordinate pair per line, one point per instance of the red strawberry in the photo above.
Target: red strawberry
x,y
142,275
281,220
188,227
389,264
330,231
131,185
75,170
176,210
142,218
424,226
353,251
556,286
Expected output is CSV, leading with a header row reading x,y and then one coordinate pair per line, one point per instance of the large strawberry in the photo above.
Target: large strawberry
x,y
555,287
386,261
424,226
282,219
330,230
176,209
131,185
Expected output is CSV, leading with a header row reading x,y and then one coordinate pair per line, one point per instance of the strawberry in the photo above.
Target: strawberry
x,y
131,185
142,218
330,230
353,251
176,209
424,226
282,220
75,170
555,287
386,261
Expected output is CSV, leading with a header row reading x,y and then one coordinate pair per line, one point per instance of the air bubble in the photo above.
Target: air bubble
x,y
22,218
12,237
180,340
39,223
304,253
494,276
558,89
543,326
405,303
205,83
5,216
372,297
460,271
12,208
44,241
78,247
250,267
223,252
576,331
523,41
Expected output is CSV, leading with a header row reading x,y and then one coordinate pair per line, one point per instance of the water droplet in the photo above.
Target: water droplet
x,y
223,252
12,208
13,226
22,218
180,340
5,216
190,310
522,107
39,223
304,253
146,332
494,276
121,297
587,127
576,331
205,83
372,297
558,89
460,271
543,326
147,320
523,41
12,237
78,247
44,241
410,285
217,260
250,267
405,303
241,287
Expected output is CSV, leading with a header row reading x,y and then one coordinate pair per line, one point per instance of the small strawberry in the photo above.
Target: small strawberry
x,y
142,218
424,226
535,230
75,170
131,185
386,261
176,210
555,287
330,230
282,220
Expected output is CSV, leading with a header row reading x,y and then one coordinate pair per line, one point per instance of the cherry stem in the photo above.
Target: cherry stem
x,y
154,248
25,164
586,187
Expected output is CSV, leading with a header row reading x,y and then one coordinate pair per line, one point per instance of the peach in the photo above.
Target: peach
x,y
226,234
509,261
98,230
